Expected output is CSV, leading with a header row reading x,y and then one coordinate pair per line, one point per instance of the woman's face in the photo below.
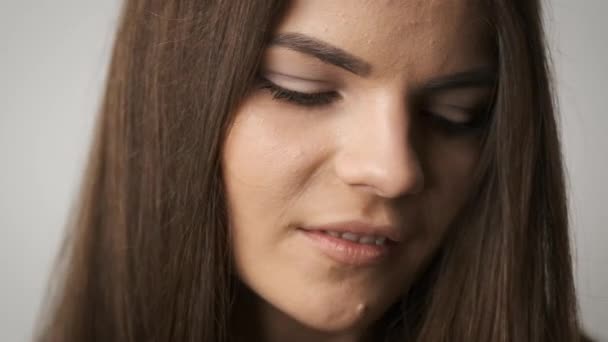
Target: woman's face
x,y
365,121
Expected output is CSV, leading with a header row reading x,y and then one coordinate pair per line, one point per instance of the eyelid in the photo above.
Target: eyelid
x,y
463,99
297,83
308,100
453,113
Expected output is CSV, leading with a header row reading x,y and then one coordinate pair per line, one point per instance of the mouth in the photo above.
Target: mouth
x,y
350,248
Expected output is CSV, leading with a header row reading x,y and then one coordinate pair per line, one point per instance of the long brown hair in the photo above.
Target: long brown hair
x,y
147,256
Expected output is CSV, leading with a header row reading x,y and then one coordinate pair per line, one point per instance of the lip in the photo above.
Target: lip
x,y
360,228
348,252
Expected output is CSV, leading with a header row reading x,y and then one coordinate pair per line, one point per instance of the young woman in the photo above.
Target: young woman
x,y
320,170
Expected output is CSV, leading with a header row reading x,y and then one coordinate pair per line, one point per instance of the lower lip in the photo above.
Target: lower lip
x,y
348,252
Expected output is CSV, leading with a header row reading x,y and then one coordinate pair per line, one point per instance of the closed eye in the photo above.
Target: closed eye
x,y
478,119
475,121
317,99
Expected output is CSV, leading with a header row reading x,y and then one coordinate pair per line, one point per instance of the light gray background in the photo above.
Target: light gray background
x,y
53,60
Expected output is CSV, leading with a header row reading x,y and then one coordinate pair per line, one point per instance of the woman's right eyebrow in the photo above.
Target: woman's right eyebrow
x,y
323,51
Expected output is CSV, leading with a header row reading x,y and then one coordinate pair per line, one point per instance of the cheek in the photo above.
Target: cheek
x,y
450,178
270,150
268,158
260,160
449,169
453,165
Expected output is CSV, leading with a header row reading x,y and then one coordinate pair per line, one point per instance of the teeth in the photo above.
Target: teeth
x,y
367,239
350,237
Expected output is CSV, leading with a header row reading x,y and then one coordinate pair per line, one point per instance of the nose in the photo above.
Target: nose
x,y
377,151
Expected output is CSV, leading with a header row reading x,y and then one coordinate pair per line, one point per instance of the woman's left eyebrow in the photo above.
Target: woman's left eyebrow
x,y
480,77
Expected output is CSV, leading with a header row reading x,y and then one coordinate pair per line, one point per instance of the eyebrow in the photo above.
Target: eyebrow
x,y
323,51
480,77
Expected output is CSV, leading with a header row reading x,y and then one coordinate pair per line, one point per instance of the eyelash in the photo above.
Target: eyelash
x,y
298,98
319,99
478,123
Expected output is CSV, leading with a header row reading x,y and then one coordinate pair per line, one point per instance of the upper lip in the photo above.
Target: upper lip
x,y
361,228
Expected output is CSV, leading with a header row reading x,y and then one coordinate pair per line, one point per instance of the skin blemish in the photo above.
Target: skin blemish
x,y
361,309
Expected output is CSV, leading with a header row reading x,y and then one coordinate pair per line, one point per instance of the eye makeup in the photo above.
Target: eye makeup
x,y
479,118
451,119
314,99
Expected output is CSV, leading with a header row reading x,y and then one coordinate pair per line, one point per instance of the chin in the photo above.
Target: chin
x,y
336,318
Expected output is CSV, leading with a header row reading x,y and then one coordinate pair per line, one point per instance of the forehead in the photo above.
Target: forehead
x,y
414,37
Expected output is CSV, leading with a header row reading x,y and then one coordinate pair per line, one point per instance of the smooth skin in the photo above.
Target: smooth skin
x,y
380,143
